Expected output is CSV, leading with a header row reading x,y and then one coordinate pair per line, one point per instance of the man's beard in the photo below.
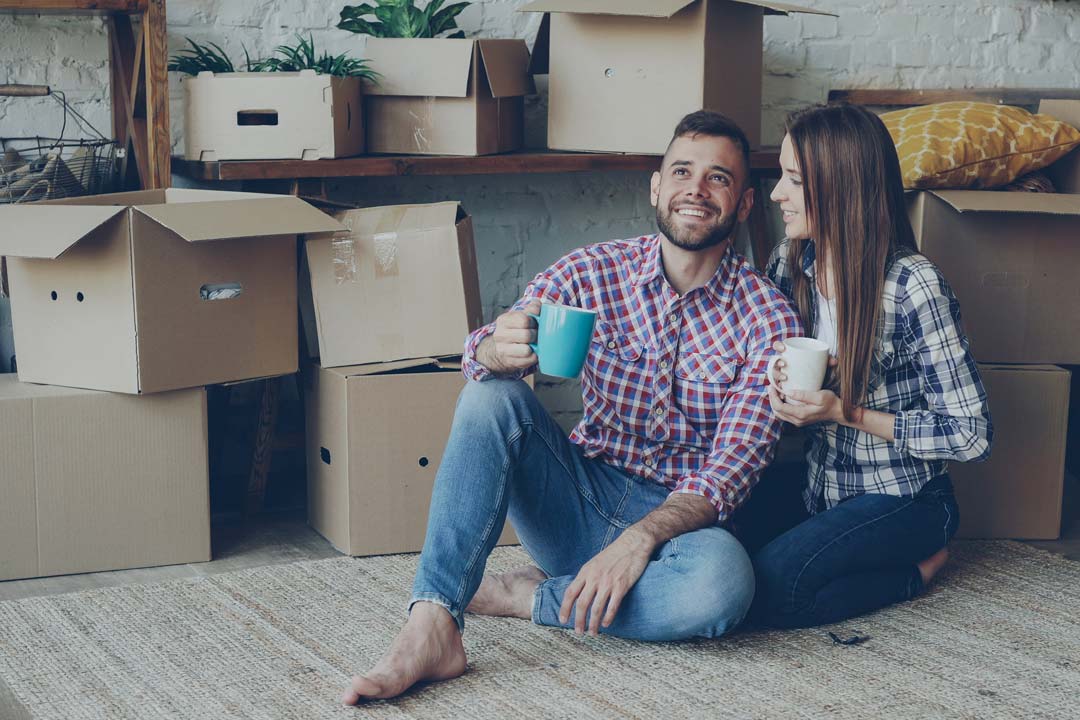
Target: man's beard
x,y
685,239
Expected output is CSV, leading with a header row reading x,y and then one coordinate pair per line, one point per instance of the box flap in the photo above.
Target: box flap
x,y
425,67
778,8
399,218
506,63
643,8
265,216
650,8
1022,368
46,232
386,367
1010,202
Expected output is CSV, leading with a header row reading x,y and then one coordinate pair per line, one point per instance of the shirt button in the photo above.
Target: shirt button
x,y
611,344
703,376
664,364
673,317
658,411
649,462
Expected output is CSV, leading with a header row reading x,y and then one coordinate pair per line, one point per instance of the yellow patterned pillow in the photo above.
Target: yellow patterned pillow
x,y
974,145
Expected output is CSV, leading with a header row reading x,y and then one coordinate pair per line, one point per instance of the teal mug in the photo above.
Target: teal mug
x,y
563,337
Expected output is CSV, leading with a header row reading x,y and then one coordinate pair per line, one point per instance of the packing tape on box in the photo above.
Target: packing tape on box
x,y
384,241
423,123
343,259
386,251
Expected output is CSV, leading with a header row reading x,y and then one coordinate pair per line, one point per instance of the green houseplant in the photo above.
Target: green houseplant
x,y
402,19
287,58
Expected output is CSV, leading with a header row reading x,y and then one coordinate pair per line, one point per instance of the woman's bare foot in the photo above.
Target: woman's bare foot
x,y
427,648
508,594
929,567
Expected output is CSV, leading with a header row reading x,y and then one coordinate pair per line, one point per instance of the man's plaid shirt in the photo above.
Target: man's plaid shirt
x,y
674,386
922,372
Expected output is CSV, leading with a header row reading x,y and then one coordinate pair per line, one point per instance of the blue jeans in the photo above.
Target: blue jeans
x,y
853,558
506,455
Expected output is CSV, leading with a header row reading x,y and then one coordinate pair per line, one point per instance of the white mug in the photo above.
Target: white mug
x,y
806,360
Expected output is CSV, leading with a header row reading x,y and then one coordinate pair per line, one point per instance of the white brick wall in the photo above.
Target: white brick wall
x,y
523,223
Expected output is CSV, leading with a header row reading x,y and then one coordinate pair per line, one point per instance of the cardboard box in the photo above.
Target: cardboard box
x,y
1017,493
98,481
622,75
446,97
400,283
130,292
272,115
375,437
1012,259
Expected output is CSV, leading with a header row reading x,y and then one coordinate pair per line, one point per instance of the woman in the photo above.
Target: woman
x,y
903,395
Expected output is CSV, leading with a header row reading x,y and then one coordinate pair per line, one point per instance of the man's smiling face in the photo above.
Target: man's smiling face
x,y
699,192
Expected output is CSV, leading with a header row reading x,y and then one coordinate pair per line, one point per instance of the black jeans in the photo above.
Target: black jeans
x,y
855,557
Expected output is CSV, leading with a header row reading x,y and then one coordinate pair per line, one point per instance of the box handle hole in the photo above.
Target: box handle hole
x,y
256,117
423,462
53,295
221,291
325,455
79,296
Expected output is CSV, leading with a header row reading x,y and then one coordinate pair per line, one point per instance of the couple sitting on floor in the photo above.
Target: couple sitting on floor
x,y
638,523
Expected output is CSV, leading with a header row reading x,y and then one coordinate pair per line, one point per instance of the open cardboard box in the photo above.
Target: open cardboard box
x,y
623,74
375,438
272,116
1012,258
156,290
96,481
447,96
400,282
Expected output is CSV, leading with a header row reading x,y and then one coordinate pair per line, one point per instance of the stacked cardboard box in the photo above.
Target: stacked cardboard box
x,y
265,116
384,304
1011,258
115,297
623,74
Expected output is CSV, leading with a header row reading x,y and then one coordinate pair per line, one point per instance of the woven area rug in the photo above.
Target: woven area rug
x,y
997,637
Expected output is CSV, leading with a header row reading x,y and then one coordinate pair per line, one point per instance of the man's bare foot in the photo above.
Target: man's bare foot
x,y
508,594
929,567
427,648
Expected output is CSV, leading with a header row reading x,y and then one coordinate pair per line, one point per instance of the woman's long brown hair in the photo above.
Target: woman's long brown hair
x,y
859,223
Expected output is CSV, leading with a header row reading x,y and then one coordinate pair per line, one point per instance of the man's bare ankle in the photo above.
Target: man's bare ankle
x,y
433,614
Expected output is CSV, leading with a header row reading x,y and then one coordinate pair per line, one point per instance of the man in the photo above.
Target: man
x,y
625,519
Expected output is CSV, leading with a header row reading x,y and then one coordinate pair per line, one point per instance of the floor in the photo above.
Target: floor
x,y
269,539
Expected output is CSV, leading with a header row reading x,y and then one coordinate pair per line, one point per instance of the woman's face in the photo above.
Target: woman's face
x,y
788,194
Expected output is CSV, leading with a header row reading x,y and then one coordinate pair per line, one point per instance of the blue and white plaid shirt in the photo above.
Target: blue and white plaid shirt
x,y
922,372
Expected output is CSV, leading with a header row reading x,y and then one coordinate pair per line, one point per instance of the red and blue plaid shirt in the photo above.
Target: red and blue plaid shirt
x,y
674,386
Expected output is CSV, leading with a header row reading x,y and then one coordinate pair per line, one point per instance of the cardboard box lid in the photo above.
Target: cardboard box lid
x,y
46,231
441,67
404,218
650,8
1005,367
53,231
975,201
444,363
274,215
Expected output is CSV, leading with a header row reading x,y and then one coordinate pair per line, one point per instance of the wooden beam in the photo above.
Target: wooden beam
x,y
72,6
156,93
998,96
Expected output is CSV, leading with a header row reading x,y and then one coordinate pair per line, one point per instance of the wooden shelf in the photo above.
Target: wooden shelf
x,y
138,79
73,6
764,163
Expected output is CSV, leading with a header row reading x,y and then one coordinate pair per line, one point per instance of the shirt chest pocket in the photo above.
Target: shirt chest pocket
x,y
706,375
613,346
